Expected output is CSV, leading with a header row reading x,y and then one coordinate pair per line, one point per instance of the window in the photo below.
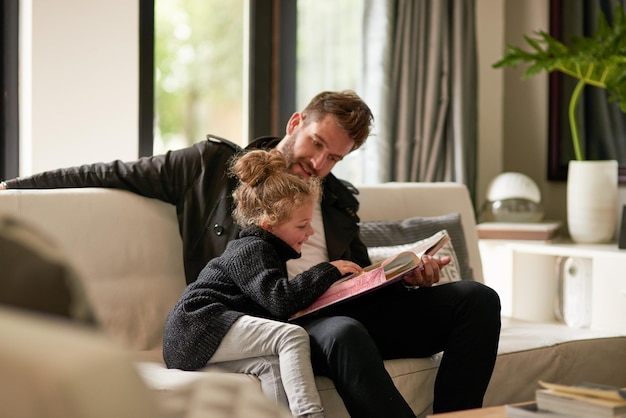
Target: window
x,y
329,47
202,82
198,72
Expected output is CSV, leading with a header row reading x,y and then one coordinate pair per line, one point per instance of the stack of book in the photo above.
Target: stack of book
x,y
543,231
576,401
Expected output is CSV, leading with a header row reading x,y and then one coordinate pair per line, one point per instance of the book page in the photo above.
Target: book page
x,y
400,263
433,244
405,260
376,275
391,266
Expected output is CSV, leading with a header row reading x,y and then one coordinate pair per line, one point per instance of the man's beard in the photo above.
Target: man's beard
x,y
288,144
287,149
290,156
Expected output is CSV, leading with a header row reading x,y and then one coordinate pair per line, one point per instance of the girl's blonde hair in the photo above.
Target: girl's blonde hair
x,y
267,191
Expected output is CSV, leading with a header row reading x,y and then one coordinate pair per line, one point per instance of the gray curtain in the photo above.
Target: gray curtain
x,y
429,114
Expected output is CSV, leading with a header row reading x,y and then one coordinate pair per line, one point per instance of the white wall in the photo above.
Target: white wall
x,y
513,113
490,40
79,97
526,109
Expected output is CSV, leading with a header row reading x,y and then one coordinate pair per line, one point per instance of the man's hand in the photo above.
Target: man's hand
x,y
428,273
3,185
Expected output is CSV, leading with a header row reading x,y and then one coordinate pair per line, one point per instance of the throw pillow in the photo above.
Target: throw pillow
x,y
450,273
37,276
410,230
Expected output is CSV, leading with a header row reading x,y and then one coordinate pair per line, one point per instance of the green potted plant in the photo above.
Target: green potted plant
x,y
600,61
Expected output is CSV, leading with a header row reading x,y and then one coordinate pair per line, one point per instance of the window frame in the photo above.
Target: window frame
x,y
9,137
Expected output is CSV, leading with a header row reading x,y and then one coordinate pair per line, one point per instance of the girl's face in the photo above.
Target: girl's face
x,y
297,229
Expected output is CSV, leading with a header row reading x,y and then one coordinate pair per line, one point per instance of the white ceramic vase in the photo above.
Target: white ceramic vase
x,y
592,200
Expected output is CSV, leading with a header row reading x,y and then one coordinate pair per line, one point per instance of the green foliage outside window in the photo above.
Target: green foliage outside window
x,y
198,70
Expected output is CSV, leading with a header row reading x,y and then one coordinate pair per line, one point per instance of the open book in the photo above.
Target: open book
x,y
377,275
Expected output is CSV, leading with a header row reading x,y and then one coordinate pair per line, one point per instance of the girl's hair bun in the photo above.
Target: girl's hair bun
x,y
255,167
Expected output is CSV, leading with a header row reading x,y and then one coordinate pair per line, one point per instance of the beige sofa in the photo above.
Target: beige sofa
x,y
128,253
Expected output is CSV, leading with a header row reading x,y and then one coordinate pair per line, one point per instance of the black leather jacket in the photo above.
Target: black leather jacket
x,y
195,180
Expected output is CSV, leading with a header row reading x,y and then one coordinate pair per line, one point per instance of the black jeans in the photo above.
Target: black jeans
x,y
462,319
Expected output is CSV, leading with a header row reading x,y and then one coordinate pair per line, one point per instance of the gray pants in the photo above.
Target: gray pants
x,y
251,346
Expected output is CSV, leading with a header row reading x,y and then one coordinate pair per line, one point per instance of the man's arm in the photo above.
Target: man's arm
x,y
165,177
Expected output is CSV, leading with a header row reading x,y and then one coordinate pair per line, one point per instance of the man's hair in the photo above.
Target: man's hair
x,y
348,109
267,191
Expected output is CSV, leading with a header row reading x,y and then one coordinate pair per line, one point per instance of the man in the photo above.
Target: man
x,y
349,344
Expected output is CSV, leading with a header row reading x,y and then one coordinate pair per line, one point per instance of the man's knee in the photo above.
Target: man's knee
x,y
482,295
339,334
485,305
491,300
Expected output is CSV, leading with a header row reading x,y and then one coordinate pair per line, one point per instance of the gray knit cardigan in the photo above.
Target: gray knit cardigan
x,y
249,278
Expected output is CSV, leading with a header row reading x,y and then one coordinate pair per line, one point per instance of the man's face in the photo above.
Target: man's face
x,y
313,148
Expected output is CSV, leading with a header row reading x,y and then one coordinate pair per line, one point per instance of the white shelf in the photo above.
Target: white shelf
x,y
525,275
558,248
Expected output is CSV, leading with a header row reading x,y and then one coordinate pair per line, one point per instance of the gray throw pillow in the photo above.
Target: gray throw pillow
x,y
389,233
37,276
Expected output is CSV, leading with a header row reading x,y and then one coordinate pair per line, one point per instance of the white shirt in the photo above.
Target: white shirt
x,y
314,249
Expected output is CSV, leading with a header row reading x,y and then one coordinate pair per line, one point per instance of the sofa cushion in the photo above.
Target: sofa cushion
x,y
207,393
553,352
125,248
410,230
135,316
218,395
414,378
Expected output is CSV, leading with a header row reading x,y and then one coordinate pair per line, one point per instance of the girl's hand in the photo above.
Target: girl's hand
x,y
346,267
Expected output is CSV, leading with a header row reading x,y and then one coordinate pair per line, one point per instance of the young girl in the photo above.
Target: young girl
x,y
236,308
